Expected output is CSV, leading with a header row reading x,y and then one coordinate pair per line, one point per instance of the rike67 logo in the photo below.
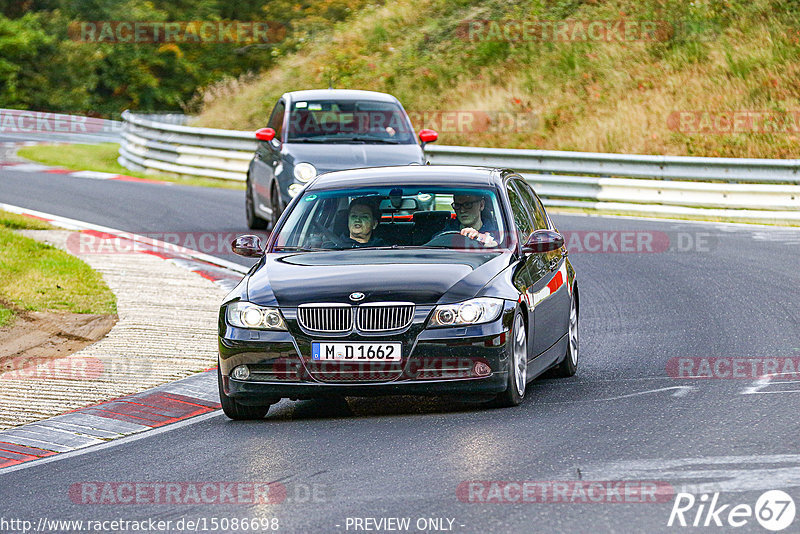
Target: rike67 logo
x,y
774,510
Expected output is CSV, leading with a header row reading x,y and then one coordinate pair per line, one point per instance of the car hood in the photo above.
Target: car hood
x,y
335,157
418,276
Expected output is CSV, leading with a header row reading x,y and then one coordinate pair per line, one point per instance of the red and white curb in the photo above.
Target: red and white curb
x,y
110,420
12,144
131,414
93,175
225,274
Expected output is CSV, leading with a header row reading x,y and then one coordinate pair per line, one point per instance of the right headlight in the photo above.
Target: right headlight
x,y
473,311
247,315
304,172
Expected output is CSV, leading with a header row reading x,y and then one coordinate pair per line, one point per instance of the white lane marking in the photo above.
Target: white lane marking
x,y
73,224
718,473
94,175
761,383
29,167
680,391
114,443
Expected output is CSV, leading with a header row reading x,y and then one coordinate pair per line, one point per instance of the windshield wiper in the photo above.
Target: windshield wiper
x,y
325,140
299,249
308,140
348,139
366,139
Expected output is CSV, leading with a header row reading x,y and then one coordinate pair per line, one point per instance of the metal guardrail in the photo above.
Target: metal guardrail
x,y
754,189
17,125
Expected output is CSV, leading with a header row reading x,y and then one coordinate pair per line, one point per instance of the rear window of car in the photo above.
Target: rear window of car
x,y
365,121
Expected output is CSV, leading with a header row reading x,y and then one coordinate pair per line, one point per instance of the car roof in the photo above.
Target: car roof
x,y
338,94
447,175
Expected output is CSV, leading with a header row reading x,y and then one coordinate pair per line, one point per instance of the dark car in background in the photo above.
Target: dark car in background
x,y
421,307
317,131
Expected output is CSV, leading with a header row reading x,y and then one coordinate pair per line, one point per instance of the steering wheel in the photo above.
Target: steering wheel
x,y
328,234
452,239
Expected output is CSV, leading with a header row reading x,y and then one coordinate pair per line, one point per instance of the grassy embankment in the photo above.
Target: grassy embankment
x,y
618,96
38,277
103,158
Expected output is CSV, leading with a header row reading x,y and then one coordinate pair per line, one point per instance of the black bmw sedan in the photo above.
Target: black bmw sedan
x,y
401,280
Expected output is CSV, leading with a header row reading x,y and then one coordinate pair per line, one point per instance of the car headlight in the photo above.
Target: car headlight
x,y
473,311
295,189
304,172
248,315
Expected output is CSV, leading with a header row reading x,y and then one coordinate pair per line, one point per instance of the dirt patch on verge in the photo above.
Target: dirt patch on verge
x,y
42,336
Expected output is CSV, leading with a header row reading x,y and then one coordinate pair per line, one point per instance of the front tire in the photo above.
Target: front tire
x,y
275,204
235,410
569,366
254,222
518,366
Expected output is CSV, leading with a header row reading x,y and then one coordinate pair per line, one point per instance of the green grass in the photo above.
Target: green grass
x,y
15,221
103,158
586,95
39,277
6,316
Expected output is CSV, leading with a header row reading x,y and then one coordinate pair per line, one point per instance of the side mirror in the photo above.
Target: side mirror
x,y
543,241
248,246
427,136
265,134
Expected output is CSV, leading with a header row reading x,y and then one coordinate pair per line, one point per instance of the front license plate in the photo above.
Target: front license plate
x,y
357,352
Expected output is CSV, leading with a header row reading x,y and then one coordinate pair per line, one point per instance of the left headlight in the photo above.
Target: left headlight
x,y
248,315
473,311
304,172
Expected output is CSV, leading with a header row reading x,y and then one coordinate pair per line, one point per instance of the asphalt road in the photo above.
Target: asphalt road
x,y
733,293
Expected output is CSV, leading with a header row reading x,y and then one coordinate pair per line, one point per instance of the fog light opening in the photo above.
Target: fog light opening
x,y
481,369
241,373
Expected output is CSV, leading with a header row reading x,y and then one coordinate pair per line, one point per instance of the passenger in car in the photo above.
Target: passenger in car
x,y
472,221
362,219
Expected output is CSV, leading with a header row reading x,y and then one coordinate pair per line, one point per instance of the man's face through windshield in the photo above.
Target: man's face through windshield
x,y
468,210
361,223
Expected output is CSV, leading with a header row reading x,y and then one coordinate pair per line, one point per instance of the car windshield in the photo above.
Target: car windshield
x,y
395,217
348,121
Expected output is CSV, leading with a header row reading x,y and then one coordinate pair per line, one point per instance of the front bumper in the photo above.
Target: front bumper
x,y
435,362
